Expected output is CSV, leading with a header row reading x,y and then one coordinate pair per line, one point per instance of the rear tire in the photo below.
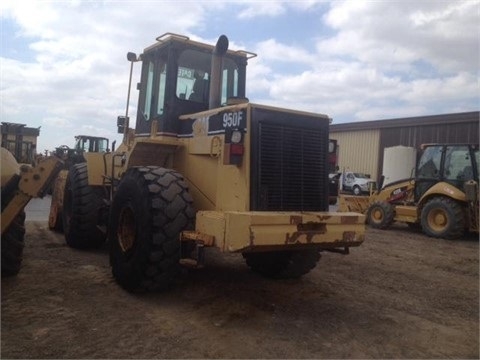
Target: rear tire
x,y
150,209
356,190
82,206
380,215
13,242
443,217
55,222
282,264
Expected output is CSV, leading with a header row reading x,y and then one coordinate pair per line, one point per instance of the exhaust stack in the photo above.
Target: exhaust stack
x,y
214,96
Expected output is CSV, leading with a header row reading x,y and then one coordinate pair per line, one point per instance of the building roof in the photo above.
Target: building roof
x,y
14,128
464,117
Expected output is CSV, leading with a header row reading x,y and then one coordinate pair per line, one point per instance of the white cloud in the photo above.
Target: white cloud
x,y
388,34
273,8
57,122
262,8
369,59
272,50
380,64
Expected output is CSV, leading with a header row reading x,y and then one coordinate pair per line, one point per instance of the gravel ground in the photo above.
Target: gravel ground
x,y
399,295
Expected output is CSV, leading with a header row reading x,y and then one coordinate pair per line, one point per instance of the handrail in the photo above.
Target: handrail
x,y
162,37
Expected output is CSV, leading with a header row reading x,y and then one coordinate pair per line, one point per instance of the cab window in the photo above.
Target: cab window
x,y
477,160
161,89
148,91
154,78
429,164
229,82
193,78
458,163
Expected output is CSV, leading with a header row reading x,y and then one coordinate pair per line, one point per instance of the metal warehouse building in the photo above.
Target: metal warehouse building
x,y
361,144
20,140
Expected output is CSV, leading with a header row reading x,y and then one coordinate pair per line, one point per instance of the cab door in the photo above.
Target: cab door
x,y
459,165
429,169
453,164
151,103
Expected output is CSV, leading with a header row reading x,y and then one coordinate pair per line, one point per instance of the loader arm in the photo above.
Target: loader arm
x,y
33,183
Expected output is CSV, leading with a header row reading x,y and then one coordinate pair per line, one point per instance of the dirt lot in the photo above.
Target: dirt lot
x,y
400,295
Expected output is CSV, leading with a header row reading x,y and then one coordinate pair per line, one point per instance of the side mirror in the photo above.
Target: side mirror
x,y
121,121
131,56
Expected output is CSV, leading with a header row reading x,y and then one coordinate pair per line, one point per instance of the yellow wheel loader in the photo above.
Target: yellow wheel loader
x,y
204,167
71,156
19,184
442,198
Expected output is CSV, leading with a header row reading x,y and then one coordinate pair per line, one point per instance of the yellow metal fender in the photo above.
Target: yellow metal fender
x,y
446,189
99,165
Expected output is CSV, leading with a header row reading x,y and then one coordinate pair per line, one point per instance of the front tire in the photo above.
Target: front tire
x,y
356,190
13,242
282,264
82,206
380,215
150,209
443,218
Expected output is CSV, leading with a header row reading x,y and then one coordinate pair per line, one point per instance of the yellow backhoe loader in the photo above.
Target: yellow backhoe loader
x,y
442,197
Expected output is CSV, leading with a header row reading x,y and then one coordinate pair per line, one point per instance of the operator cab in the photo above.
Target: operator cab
x,y
85,143
452,163
176,79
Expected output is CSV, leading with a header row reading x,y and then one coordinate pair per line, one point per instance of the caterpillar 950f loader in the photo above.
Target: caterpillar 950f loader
x,y
206,168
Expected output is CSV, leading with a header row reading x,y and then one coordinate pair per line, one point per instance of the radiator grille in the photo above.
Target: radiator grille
x,y
290,166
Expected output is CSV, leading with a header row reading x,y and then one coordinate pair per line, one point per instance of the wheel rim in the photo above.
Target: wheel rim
x,y
126,229
437,220
377,215
52,218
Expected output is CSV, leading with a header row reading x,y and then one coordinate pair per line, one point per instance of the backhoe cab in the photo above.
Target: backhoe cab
x,y
204,167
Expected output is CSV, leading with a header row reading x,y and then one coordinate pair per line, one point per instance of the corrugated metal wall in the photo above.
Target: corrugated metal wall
x,y
414,136
358,151
361,144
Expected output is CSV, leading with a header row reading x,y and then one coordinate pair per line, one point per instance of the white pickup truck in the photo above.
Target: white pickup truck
x,y
357,183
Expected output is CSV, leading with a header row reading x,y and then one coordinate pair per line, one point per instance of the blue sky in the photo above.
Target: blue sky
x,y
63,63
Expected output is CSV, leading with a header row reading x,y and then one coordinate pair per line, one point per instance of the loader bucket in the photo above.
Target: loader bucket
x,y
349,203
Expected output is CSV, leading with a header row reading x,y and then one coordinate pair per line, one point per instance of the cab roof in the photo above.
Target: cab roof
x,y
169,37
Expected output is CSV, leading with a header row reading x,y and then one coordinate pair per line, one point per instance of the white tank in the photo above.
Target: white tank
x,y
398,163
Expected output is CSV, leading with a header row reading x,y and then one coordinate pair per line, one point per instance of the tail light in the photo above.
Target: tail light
x,y
234,148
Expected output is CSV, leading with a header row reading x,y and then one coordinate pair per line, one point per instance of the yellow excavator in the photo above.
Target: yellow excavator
x,y
442,197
